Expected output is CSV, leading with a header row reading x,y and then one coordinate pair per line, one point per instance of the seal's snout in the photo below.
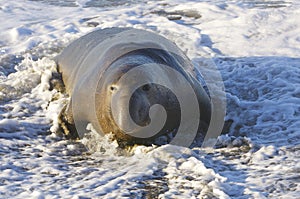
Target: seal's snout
x,y
139,106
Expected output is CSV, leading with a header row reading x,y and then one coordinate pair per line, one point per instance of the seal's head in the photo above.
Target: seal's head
x,y
125,108
135,106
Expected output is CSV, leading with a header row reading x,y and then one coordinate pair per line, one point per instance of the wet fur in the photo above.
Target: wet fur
x,y
164,98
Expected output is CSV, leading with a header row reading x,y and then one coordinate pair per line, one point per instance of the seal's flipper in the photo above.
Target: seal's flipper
x,y
57,83
66,122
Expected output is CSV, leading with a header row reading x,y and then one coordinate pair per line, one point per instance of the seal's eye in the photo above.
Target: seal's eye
x,y
113,88
146,87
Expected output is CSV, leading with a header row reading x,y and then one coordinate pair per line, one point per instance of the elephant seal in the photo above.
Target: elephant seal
x,y
93,68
